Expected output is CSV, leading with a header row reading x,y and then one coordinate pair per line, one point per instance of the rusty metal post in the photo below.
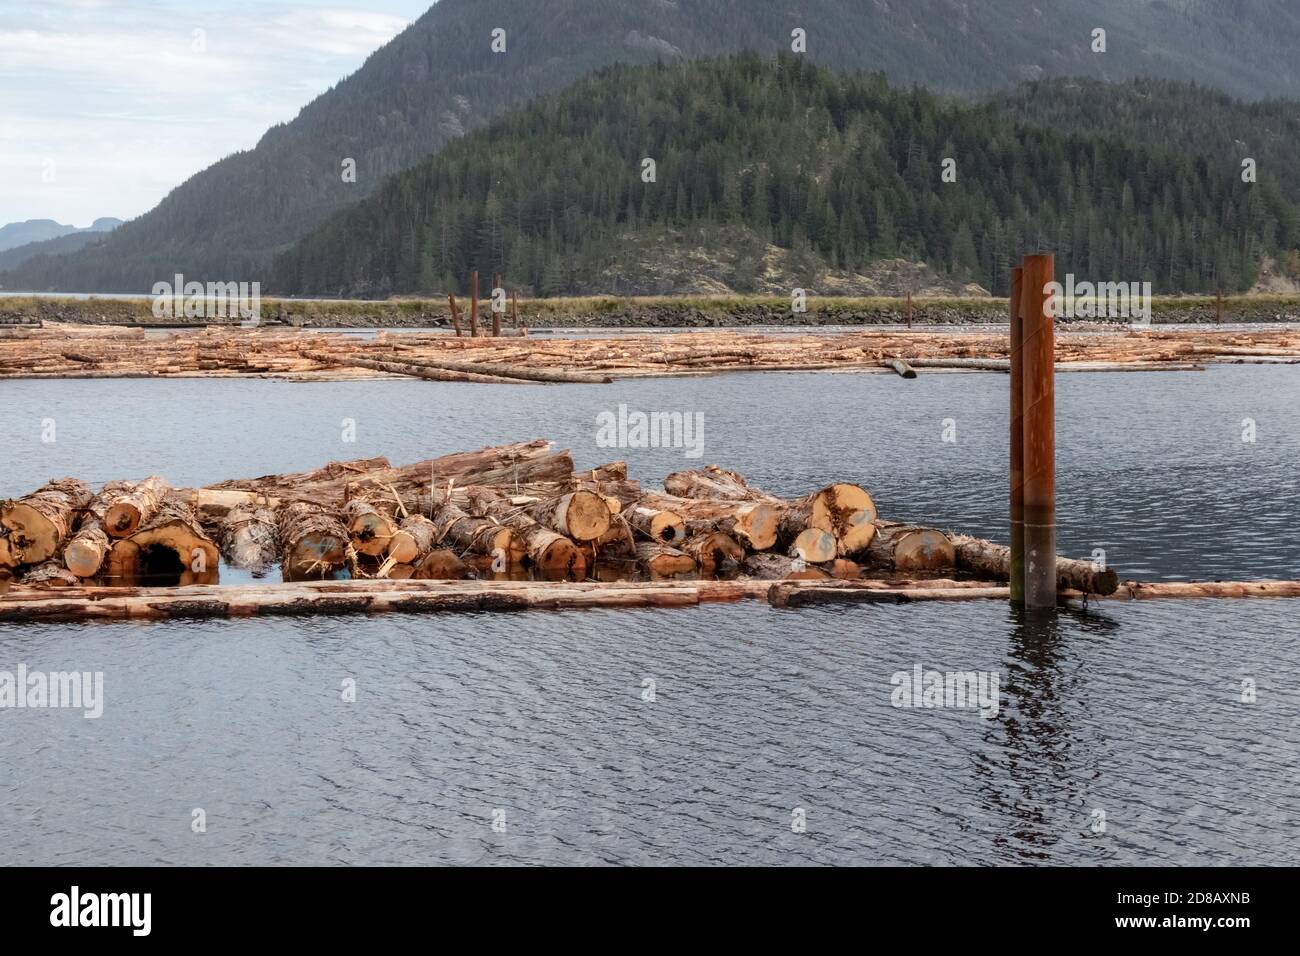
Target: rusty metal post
x,y
1039,404
473,305
1017,440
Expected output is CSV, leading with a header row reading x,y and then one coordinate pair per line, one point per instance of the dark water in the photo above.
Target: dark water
x,y
1132,710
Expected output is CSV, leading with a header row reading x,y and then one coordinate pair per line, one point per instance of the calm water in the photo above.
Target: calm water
x,y
1132,710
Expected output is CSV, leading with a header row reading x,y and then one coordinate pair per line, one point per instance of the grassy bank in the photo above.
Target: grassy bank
x,y
633,312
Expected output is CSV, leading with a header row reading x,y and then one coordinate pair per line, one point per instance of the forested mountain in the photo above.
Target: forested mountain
x,y
842,168
440,78
16,234
66,239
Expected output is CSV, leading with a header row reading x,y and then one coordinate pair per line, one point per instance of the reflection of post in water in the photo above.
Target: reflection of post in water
x,y
1035,762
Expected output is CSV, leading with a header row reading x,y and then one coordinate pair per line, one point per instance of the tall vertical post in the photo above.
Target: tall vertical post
x,y
909,308
1218,308
1016,308
1039,404
455,313
514,306
473,304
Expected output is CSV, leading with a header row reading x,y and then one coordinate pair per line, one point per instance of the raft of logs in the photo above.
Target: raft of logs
x,y
368,535
73,351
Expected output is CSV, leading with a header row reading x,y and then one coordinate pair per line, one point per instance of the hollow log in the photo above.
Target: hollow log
x,y
909,548
369,528
126,512
441,565
248,538
37,525
413,539
313,542
989,560
660,561
713,551
664,527
169,546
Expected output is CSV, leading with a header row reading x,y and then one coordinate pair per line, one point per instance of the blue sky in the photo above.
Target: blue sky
x,y
107,105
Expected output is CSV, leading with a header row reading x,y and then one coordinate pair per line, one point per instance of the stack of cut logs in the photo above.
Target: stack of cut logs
x,y
512,510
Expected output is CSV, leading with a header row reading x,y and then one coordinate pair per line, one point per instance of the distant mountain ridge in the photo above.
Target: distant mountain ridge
x,y
439,79
15,234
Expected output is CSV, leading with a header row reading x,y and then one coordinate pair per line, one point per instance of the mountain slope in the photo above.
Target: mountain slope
x,y
69,239
17,234
840,169
439,78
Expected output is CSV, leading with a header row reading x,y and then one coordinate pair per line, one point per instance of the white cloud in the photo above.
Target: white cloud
x,y
125,104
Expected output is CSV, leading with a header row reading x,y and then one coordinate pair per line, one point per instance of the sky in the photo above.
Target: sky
x,y
107,105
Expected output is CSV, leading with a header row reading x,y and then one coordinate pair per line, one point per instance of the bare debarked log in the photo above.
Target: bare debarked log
x,y
129,510
989,560
37,525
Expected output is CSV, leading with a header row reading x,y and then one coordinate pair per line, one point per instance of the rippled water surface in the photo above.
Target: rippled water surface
x,y
1132,710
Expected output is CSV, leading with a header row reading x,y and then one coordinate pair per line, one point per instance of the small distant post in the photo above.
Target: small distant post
x,y
1017,440
909,308
455,313
473,305
1039,405
1218,308
514,306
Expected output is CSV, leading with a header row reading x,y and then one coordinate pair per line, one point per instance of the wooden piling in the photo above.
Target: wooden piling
x,y
1218,308
473,305
1016,310
909,308
455,313
514,307
1039,448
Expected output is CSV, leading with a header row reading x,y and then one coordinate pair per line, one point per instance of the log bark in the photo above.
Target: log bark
x,y
716,483
768,566
51,574
248,538
909,548
36,526
313,542
370,529
474,535
753,523
128,511
989,560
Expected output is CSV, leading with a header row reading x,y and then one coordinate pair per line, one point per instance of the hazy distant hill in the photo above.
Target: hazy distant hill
x,y
439,78
838,170
17,234
70,240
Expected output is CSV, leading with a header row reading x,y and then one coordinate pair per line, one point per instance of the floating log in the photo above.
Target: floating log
x,y
475,535
313,542
844,511
505,465
86,552
581,515
248,538
768,566
37,525
170,544
413,540
989,560
369,529
659,560
664,527
752,523
909,548
127,511
432,374
551,553
713,551
796,594
441,565
500,370
902,368
51,574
